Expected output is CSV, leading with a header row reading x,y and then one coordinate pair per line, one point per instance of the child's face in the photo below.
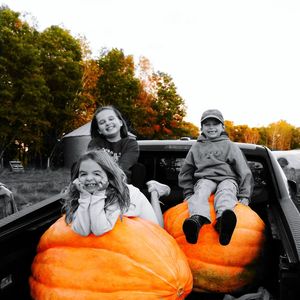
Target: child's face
x,y
108,123
92,176
212,128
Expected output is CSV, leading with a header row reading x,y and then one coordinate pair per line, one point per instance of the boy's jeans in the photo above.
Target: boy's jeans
x,y
225,197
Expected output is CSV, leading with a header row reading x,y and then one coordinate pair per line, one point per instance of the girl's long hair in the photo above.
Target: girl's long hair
x,y
94,124
117,191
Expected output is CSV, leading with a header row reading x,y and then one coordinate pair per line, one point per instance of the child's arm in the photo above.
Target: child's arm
x,y
102,221
245,175
186,176
81,221
129,157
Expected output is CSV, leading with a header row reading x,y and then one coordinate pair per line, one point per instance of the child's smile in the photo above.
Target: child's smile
x,y
212,128
92,176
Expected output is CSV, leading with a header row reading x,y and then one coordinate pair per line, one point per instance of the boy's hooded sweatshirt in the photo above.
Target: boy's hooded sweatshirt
x,y
216,159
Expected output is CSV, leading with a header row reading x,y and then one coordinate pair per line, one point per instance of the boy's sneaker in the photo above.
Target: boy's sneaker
x,y
191,227
225,225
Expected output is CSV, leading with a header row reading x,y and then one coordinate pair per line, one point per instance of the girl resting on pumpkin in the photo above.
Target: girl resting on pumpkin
x,y
98,195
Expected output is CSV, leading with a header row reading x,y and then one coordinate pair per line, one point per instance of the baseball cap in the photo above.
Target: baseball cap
x,y
212,113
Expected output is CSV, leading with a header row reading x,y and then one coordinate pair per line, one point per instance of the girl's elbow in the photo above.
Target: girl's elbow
x,y
99,231
84,233
80,231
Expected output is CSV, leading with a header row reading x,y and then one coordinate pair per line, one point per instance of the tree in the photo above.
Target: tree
x,y
263,136
295,143
252,135
62,69
161,108
169,106
279,135
117,84
242,133
189,130
23,90
85,104
145,119
149,102
86,99
230,130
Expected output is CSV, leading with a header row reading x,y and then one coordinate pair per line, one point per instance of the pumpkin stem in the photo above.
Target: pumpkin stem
x,y
180,291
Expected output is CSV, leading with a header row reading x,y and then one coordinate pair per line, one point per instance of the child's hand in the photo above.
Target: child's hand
x,y
101,189
80,187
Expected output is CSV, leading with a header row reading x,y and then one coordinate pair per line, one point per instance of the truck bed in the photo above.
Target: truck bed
x,y
272,200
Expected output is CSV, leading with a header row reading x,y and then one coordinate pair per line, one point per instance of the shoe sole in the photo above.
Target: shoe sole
x,y
227,226
191,231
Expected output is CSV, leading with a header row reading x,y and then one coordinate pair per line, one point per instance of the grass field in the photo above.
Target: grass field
x,y
32,186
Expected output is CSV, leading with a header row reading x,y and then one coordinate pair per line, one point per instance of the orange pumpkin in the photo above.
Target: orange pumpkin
x,y
217,268
135,260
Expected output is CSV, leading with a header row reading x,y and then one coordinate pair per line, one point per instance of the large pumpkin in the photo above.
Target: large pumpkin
x,y
217,268
136,260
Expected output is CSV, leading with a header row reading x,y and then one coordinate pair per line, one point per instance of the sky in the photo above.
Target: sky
x,y
241,57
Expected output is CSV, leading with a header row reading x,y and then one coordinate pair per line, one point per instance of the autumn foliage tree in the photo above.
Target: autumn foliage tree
x,y
149,100
50,85
252,135
163,109
279,135
85,103
169,106
295,143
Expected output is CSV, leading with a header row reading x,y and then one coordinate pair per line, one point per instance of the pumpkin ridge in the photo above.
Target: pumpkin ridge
x,y
125,258
226,264
150,271
109,250
93,289
218,268
218,265
183,215
131,293
160,239
230,267
137,255
159,233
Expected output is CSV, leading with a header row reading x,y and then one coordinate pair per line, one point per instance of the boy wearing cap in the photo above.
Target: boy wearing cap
x,y
214,164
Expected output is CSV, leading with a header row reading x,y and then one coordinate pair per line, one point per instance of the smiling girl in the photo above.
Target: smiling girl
x,y
109,132
98,195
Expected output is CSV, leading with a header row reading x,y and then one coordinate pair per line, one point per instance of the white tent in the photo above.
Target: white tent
x,y
75,143
83,130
